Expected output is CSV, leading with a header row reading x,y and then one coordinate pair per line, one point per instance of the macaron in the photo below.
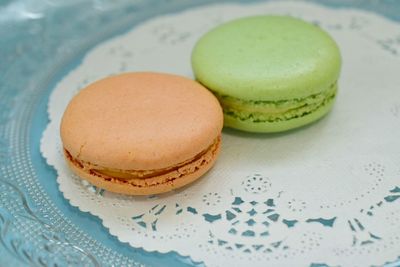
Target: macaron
x,y
142,133
270,73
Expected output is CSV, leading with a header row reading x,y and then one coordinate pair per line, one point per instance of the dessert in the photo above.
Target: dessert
x,y
270,73
142,133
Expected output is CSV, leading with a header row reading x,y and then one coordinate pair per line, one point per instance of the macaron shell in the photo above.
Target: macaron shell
x,y
141,121
121,187
266,58
278,126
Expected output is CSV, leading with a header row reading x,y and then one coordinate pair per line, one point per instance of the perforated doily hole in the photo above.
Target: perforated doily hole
x,y
256,184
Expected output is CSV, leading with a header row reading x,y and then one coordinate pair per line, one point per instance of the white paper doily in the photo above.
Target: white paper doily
x,y
327,193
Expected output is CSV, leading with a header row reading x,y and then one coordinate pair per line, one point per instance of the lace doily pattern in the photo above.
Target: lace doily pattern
x,y
326,193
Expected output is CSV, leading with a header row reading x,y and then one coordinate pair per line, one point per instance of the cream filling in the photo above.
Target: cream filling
x,y
183,168
272,111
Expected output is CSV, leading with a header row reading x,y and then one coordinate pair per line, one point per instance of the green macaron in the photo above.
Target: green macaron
x,y
270,73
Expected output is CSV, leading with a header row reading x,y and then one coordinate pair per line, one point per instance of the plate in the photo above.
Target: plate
x,y
41,43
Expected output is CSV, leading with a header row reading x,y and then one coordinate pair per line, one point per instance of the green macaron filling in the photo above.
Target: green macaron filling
x,y
261,111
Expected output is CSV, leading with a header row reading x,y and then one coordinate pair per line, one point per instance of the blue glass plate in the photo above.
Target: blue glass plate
x,y
40,42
